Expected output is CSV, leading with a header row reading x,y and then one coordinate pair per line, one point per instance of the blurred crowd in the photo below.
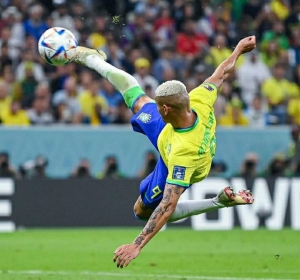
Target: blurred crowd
x,y
155,41
283,164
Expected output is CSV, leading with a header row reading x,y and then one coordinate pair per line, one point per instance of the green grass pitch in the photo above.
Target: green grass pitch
x,y
79,254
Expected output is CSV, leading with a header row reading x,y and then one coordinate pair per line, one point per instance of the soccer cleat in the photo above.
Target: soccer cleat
x,y
228,197
83,52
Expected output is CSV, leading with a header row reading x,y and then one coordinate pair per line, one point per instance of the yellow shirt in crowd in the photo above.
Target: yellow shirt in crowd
x,y
294,110
88,104
216,56
278,90
97,41
5,104
20,118
279,9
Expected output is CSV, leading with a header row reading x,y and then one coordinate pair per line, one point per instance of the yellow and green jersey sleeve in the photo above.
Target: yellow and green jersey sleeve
x,y
206,94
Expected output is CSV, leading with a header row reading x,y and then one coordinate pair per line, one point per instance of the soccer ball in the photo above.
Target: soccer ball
x,y
57,46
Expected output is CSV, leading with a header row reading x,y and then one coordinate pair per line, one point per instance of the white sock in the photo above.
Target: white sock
x,y
189,208
121,80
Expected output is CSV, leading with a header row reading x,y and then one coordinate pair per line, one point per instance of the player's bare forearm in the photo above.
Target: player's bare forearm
x,y
126,253
227,66
160,215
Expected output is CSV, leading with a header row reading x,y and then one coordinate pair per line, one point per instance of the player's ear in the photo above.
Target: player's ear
x,y
165,108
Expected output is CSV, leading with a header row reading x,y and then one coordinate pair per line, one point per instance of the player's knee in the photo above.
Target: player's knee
x,y
141,214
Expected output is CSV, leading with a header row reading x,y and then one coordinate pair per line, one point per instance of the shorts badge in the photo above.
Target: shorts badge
x,y
144,117
178,172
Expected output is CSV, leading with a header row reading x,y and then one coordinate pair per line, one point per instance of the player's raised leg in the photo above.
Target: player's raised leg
x,y
226,198
126,84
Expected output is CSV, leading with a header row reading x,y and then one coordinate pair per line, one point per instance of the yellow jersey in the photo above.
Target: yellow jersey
x,y
20,118
188,152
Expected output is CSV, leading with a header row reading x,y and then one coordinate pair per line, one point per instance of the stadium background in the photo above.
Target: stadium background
x,y
67,123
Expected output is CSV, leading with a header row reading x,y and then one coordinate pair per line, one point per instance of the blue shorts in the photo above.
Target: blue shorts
x,y
148,121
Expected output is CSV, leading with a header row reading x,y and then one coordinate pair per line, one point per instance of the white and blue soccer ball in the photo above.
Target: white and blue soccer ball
x,y
57,46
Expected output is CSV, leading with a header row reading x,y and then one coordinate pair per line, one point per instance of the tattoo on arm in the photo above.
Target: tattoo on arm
x,y
171,193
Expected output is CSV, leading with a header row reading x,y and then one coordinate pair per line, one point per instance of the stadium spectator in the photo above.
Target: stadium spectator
x,y
271,53
292,22
280,8
278,35
233,114
28,60
115,55
137,33
294,52
111,169
14,115
294,151
167,60
6,170
93,105
7,76
40,165
5,60
61,18
35,25
5,99
96,39
149,8
34,168
40,114
251,9
66,103
257,113
113,98
278,166
142,68
123,114
12,18
218,52
251,75
83,170
264,20
218,169
149,165
164,28
249,166
189,43
27,86
277,90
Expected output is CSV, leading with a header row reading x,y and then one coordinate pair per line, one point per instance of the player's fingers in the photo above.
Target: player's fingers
x,y
118,249
118,253
126,259
121,260
127,262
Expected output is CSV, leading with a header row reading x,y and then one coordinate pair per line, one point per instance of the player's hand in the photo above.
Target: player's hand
x,y
246,45
125,254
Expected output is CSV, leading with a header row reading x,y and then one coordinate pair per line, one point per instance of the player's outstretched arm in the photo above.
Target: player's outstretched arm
x,y
221,73
126,253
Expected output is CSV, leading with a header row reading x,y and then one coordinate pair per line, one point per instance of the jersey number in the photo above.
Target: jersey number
x,y
156,191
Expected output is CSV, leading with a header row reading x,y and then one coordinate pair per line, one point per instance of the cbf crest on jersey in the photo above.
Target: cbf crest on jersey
x,y
144,117
178,172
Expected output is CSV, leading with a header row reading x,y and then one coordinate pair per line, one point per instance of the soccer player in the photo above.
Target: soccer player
x,y
181,126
